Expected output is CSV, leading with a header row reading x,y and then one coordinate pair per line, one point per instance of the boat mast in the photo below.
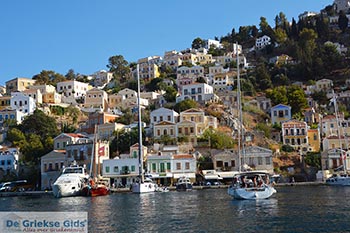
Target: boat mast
x,y
139,127
239,110
339,132
92,165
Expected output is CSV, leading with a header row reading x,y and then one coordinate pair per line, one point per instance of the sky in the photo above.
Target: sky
x,y
59,35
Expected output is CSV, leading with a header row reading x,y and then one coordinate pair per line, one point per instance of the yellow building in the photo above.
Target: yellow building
x,y
314,140
18,84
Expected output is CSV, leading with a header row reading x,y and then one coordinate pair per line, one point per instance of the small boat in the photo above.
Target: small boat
x,y
70,182
251,185
163,189
98,189
339,180
147,186
184,184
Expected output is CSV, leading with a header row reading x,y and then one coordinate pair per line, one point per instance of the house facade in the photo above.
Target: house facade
x,y
295,134
22,103
199,92
280,113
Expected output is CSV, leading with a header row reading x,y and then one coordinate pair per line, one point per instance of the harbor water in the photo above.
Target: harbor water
x,y
293,209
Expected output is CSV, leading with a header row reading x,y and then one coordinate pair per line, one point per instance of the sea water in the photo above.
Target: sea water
x,y
291,209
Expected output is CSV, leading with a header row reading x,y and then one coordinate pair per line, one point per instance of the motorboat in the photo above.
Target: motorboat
x,y
251,185
339,180
184,184
71,182
147,186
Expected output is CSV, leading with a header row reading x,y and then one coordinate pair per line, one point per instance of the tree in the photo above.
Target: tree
x,y
217,139
48,77
70,75
343,21
40,124
263,77
278,95
120,68
170,94
296,99
198,43
185,104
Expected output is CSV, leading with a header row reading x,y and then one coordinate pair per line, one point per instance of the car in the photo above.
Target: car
x,y
17,186
5,187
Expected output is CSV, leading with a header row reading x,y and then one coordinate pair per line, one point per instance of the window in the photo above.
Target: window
x,y
162,167
178,166
154,167
171,132
158,132
219,163
233,163
260,161
134,154
168,166
107,169
116,169
155,119
268,161
274,113
187,166
56,167
133,168
8,162
169,118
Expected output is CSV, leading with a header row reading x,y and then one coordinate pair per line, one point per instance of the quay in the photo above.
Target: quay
x,y
171,188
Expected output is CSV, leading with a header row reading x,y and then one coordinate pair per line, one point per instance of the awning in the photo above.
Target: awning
x,y
212,177
189,175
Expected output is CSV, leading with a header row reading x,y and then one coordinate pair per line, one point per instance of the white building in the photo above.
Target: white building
x,y
72,90
22,103
163,114
199,92
9,160
102,77
262,42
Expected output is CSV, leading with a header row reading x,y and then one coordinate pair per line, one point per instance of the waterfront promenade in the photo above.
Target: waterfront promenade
x,y
171,188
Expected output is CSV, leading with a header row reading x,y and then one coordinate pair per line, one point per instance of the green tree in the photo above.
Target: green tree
x,y
198,43
296,99
70,75
120,68
48,77
185,104
217,139
263,77
343,21
170,94
14,136
278,95
40,124
313,159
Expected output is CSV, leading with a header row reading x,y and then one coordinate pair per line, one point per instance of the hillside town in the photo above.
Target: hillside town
x,y
296,128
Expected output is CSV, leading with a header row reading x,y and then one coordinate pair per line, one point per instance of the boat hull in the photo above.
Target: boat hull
x,y
251,193
143,188
338,181
184,187
62,190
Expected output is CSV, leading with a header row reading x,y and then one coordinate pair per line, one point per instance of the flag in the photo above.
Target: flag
x,y
101,151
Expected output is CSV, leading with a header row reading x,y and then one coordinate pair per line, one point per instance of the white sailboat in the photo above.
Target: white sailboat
x,y
143,185
340,178
248,185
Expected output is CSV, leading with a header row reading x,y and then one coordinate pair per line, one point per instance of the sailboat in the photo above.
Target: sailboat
x,y
340,178
253,184
98,188
142,185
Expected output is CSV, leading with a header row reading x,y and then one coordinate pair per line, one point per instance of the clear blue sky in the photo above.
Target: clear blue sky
x,y
59,35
